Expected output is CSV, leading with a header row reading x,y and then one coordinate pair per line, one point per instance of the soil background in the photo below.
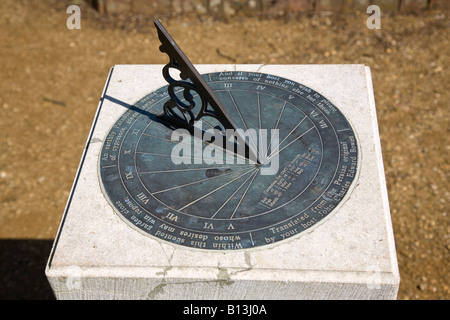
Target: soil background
x,y
51,79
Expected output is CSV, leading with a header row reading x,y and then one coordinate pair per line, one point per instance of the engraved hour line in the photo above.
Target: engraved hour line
x,y
280,143
258,102
153,154
183,170
237,155
192,157
251,238
243,121
259,109
197,181
276,127
207,123
110,166
160,138
245,193
167,155
211,192
291,142
230,197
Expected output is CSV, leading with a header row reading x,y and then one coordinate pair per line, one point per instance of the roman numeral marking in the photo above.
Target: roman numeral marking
x,y
143,197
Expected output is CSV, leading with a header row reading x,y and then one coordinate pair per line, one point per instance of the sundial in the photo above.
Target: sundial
x,y
227,160
229,182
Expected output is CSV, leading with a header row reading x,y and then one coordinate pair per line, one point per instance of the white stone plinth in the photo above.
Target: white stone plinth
x,y
351,255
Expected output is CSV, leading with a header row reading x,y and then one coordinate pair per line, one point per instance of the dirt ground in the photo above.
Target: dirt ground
x,y
51,79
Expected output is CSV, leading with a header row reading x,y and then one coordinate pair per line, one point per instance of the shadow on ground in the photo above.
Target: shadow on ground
x,y
22,269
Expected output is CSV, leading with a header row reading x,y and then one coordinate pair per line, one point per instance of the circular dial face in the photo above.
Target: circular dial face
x,y
180,188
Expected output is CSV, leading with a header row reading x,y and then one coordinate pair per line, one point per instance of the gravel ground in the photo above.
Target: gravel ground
x,y
52,77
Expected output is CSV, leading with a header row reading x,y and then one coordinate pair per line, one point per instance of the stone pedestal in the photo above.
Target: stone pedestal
x,y
351,255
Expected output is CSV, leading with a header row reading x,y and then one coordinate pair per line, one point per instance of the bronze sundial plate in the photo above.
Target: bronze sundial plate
x,y
216,203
